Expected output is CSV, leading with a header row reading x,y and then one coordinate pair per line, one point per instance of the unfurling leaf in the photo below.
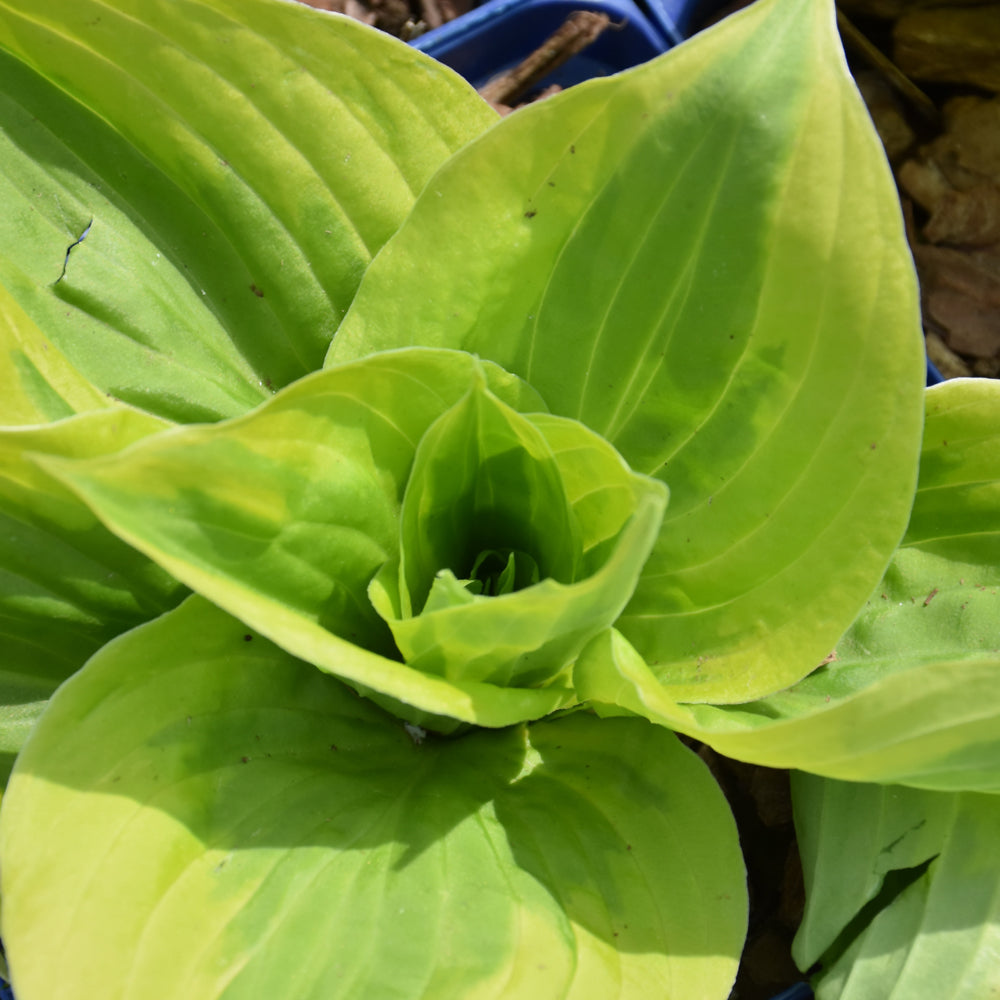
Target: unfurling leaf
x,y
485,481
381,469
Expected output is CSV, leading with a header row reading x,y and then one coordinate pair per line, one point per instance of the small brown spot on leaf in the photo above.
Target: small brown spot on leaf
x,y
530,214
930,597
256,290
248,638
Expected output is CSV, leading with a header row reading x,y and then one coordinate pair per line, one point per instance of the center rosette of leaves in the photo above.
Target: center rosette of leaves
x,y
521,537
409,523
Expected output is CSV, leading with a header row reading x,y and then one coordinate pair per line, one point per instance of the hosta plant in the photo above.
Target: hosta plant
x,y
384,485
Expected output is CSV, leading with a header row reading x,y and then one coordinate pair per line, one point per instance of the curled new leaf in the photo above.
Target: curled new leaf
x,y
486,500
399,523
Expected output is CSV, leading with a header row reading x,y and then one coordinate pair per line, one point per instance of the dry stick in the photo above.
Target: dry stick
x,y
889,71
576,33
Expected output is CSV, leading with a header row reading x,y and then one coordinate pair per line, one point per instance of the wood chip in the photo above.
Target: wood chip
x,y
924,182
947,362
969,149
961,293
950,45
966,218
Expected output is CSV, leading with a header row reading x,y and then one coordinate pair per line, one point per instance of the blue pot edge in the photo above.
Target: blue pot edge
x,y
654,18
469,28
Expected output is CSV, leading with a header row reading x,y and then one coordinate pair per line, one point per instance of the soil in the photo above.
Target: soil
x,y
931,77
929,71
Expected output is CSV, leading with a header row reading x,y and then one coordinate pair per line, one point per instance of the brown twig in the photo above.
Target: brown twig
x,y
889,71
578,31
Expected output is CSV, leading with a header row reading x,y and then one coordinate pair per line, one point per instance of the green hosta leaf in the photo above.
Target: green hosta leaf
x,y
486,495
200,815
932,926
932,726
283,516
192,189
939,599
701,259
39,383
850,836
912,695
67,585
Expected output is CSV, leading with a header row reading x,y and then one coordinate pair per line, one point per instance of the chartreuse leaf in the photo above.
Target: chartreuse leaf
x,y
39,383
198,814
485,499
902,890
193,189
283,516
67,584
702,259
932,725
912,695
